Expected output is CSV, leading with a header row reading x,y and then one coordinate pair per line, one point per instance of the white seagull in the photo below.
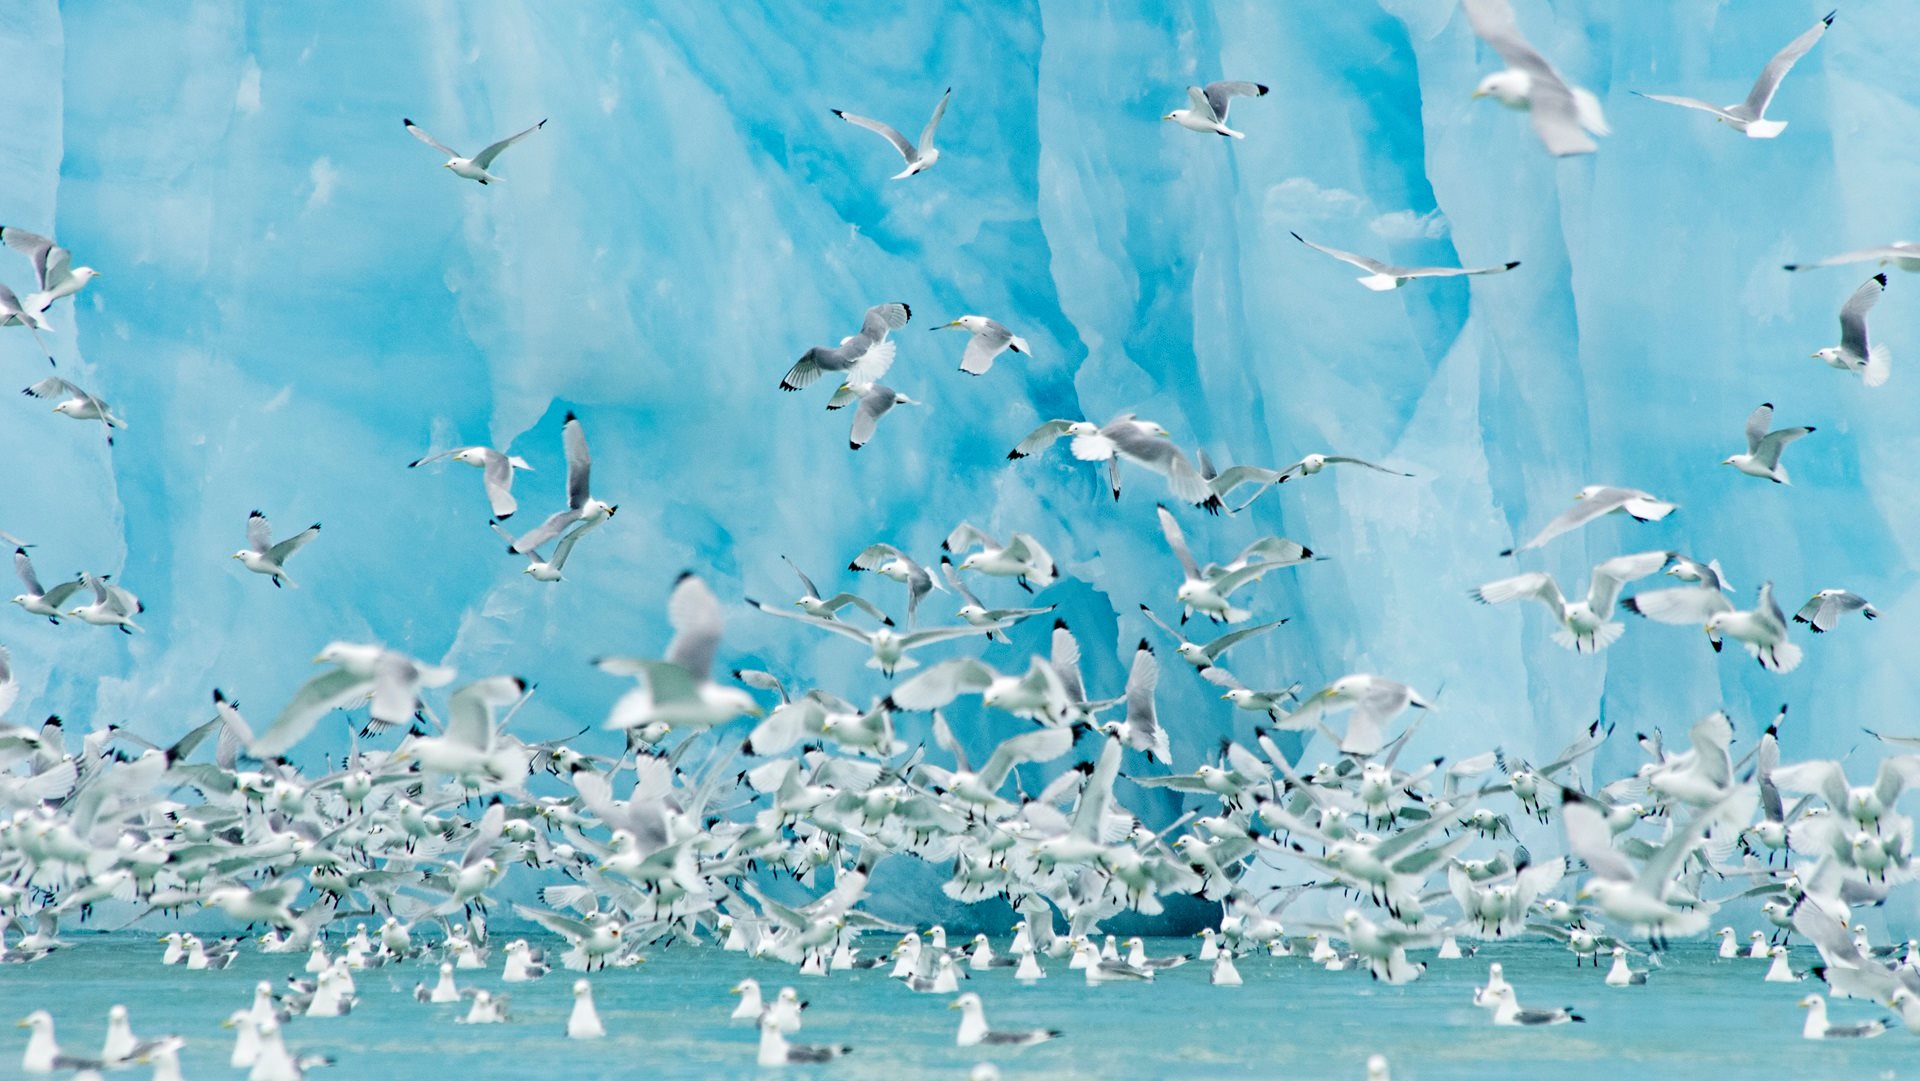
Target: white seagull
x,y
989,340
1904,254
76,403
1825,608
474,168
581,506
1587,626
1593,502
1564,115
1873,363
919,158
1763,630
112,606
1210,105
864,357
263,556
39,600
1749,117
53,268
1764,447
1384,277
875,401
496,473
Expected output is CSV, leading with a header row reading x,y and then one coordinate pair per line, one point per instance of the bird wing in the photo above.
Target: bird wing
x,y
1097,794
805,582
1604,501
485,157
1693,103
1609,576
420,133
1039,745
1177,541
1142,678
1155,619
875,402
1551,104
23,566
579,461
1532,586
833,625
885,131
1202,106
279,552
1853,315
1219,95
32,245
1591,839
1770,609
1449,272
983,347
1040,438
694,612
1342,459
933,122
1770,445
1361,261
884,317
1685,605
1757,423
942,683
319,696
1064,659
1769,81
53,386
1228,640
496,475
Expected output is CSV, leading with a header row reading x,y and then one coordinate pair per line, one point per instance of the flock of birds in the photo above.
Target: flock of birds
x,y
750,809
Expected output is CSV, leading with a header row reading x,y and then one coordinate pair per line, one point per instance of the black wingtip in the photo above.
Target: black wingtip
x,y
1144,644
683,576
1506,552
1828,21
1262,87
541,124
1513,264
406,122
569,418
1296,236
1059,624
855,446
1881,278
1811,429
1766,405
838,113
1789,266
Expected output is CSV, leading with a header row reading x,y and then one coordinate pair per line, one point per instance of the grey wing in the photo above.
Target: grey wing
x,y
1177,541
279,552
1586,510
885,131
1773,443
1769,81
983,347
420,133
546,531
1453,272
54,385
695,614
1232,638
1608,577
1065,661
1382,468
33,246
565,548
1688,605
1853,315
952,576
259,533
1219,95
933,122
323,693
579,462
23,566
1040,438
1142,679
1201,104
1884,252
1361,261
432,458
496,475
874,404
1555,114
884,317
806,583
58,595
1770,608
1691,103
1757,422
875,554
485,157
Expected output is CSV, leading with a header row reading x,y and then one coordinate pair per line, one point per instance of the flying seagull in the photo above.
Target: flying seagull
x,y
989,340
1762,458
262,556
1381,277
1210,105
1595,501
1871,362
865,356
496,473
919,158
1749,117
473,168
1565,116
53,268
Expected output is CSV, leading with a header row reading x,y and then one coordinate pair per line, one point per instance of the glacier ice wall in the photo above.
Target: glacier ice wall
x,y
296,303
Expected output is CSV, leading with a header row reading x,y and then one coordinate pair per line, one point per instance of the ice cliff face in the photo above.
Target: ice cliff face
x,y
296,303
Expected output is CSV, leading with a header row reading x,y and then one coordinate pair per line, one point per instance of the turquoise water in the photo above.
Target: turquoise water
x,y
1699,1017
